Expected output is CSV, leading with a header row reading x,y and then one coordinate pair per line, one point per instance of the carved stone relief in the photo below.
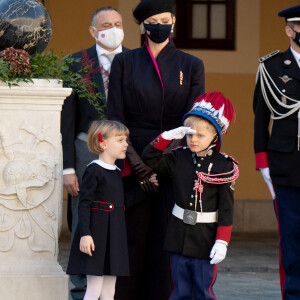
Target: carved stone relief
x,y
28,174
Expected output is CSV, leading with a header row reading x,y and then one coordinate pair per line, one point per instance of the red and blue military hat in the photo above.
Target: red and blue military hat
x,y
215,108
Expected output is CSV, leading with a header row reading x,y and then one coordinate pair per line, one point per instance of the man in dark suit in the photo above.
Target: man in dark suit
x,y
277,148
77,113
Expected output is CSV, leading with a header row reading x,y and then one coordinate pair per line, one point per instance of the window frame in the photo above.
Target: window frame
x,y
184,26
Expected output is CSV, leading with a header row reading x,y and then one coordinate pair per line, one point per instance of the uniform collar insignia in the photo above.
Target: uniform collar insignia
x,y
210,150
285,78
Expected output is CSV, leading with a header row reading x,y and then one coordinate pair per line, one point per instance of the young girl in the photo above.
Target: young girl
x,y
99,248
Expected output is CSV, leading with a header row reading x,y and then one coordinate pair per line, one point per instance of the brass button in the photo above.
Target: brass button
x,y
199,165
191,204
192,196
110,206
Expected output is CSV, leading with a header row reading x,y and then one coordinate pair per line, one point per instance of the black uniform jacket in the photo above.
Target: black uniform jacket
x,y
278,149
77,113
137,99
193,240
101,215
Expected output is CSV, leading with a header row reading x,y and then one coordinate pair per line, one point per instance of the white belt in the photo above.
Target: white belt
x,y
82,136
192,217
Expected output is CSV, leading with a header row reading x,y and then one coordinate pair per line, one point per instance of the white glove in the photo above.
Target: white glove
x,y
177,133
218,252
266,175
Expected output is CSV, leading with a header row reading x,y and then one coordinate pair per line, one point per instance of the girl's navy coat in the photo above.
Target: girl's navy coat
x,y
101,215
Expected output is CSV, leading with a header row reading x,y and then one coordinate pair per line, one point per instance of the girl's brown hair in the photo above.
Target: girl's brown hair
x,y
107,128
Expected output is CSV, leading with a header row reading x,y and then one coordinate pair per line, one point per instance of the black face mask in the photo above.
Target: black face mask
x,y
158,33
297,38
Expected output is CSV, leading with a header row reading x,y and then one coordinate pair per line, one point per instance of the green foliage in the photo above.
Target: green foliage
x,y
4,71
50,66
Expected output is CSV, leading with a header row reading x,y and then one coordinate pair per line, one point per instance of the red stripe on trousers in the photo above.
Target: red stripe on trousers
x,y
281,269
173,283
213,281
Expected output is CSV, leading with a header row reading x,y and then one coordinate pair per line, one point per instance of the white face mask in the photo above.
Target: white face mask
x,y
110,38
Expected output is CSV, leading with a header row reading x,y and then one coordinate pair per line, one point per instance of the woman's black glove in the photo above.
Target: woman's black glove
x,y
140,170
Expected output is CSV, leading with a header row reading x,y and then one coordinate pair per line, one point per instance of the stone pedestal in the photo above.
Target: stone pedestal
x,y
31,191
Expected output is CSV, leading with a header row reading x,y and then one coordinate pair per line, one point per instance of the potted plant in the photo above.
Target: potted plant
x,y
18,67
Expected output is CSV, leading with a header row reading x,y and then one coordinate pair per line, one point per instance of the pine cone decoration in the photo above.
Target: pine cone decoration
x,y
18,59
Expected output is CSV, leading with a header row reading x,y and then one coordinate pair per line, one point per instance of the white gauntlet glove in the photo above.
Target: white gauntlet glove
x,y
177,133
266,175
218,252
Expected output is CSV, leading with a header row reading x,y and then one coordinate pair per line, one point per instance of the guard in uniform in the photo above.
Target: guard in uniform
x,y
277,145
199,229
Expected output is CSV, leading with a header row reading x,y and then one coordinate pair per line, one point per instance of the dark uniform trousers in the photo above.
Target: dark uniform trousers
x,y
278,151
192,274
288,211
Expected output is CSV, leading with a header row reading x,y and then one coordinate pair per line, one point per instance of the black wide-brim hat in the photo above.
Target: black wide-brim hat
x,y
291,14
148,8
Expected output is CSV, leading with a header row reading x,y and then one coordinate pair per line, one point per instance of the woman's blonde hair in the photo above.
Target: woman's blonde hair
x,y
199,121
142,28
107,128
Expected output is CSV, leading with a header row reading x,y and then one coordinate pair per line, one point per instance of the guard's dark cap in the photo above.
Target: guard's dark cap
x,y
148,8
291,14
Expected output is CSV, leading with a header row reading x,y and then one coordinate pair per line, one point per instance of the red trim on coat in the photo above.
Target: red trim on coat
x,y
156,67
213,281
126,170
158,72
224,233
111,209
281,269
160,143
261,159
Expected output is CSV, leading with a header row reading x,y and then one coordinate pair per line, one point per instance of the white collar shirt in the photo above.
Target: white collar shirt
x,y
104,165
103,60
296,55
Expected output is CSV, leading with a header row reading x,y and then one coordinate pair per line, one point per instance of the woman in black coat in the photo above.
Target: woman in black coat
x,y
150,90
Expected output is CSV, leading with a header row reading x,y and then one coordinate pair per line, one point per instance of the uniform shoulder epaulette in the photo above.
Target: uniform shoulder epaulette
x,y
229,158
264,58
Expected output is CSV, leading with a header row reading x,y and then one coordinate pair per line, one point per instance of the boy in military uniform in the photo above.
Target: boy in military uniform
x,y
277,147
202,178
